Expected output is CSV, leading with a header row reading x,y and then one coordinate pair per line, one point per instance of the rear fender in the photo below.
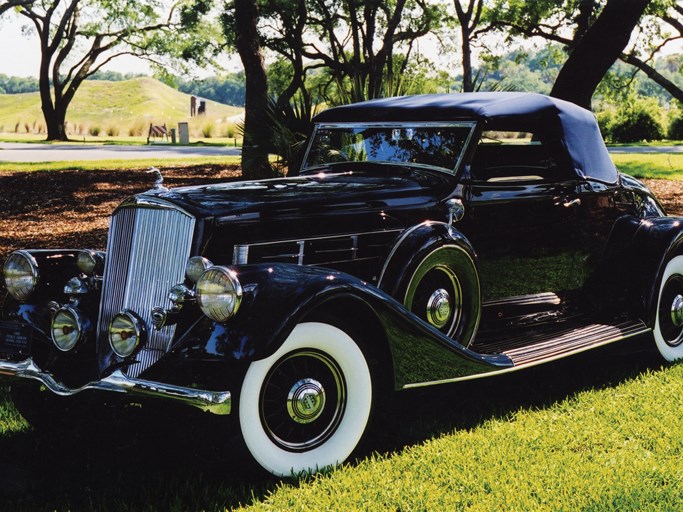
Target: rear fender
x,y
628,277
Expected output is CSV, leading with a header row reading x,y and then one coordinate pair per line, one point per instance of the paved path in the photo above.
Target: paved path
x,y
646,149
35,152
25,152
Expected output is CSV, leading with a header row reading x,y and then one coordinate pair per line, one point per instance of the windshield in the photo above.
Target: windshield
x,y
424,144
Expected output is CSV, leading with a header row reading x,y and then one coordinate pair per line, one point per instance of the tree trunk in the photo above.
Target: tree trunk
x,y
467,84
56,125
601,45
256,132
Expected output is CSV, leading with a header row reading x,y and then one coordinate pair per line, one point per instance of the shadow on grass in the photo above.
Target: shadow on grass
x,y
169,462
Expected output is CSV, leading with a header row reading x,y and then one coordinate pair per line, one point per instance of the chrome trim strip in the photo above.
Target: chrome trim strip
x,y
216,402
531,364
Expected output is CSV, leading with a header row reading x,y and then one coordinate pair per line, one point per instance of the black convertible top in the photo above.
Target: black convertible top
x,y
518,111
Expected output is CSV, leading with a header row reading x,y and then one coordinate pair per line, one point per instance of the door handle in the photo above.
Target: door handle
x,y
570,203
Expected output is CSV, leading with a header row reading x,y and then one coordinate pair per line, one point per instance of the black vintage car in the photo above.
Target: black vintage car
x,y
425,240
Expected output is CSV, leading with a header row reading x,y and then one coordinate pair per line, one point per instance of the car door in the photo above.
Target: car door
x,y
522,216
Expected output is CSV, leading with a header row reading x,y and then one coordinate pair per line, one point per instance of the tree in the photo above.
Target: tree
x,y
256,133
596,49
78,37
568,21
363,45
469,19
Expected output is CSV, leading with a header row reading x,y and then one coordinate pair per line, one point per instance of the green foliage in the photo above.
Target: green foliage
x,y
676,127
634,121
17,84
228,89
291,125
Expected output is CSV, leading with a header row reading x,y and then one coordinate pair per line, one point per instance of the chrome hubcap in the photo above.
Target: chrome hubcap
x,y
677,311
306,401
439,308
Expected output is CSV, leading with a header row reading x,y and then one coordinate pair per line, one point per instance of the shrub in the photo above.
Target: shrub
x,y
137,128
113,131
94,130
230,130
637,121
207,129
676,127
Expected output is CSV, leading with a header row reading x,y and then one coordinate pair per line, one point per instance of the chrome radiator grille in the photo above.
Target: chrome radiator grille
x,y
147,250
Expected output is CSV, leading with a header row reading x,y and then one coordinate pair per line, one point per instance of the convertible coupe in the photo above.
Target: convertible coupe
x,y
424,240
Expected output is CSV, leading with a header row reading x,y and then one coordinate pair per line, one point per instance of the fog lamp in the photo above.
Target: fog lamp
x,y
195,267
89,262
21,275
66,328
219,293
126,333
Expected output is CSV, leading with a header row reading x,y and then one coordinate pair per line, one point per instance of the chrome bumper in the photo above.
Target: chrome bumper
x,y
216,402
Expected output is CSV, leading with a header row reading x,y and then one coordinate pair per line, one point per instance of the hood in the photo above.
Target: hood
x,y
351,190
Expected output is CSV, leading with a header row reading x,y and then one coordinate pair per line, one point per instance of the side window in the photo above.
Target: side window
x,y
503,157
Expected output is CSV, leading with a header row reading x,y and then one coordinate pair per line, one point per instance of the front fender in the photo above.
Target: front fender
x,y
412,246
277,297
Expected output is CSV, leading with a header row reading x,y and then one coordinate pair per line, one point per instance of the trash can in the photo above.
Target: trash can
x,y
172,135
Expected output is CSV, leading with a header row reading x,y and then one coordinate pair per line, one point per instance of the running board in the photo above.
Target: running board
x,y
529,349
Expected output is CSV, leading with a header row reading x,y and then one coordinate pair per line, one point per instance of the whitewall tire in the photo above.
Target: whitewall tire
x,y
307,406
668,332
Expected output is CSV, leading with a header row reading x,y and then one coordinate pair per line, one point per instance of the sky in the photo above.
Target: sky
x,y
20,55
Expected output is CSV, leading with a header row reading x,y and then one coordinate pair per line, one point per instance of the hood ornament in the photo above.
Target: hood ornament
x,y
158,179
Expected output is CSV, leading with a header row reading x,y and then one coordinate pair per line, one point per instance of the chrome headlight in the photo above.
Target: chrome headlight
x,y
126,333
219,293
21,275
66,328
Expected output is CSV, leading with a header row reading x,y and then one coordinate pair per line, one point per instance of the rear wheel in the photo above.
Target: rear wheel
x,y
668,330
308,405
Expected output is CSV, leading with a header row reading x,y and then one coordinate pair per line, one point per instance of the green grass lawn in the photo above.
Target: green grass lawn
x,y
651,165
588,433
102,165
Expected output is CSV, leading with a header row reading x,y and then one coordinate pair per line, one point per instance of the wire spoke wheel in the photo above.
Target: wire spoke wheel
x,y
307,406
303,400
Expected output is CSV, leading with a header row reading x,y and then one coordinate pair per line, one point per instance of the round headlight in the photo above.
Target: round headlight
x,y
126,332
89,262
21,275
66,329
195,267
219,293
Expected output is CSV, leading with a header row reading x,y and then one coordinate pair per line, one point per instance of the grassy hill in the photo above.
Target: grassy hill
x,y
118,108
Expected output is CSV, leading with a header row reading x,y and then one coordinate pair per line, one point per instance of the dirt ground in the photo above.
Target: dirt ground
x,y
70,209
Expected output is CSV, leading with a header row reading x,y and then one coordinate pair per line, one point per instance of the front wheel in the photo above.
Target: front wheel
x,y
668,330
307,406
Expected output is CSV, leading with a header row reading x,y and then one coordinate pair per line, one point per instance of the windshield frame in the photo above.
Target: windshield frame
x,y
392,125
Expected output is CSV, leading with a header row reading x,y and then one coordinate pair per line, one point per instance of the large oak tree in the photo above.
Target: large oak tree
x,y
78,37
